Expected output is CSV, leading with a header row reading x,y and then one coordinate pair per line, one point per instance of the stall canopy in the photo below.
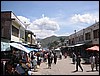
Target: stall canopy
x,y
94,48
57,49
32,49
79,44
71,46
76,45
5,46
19,46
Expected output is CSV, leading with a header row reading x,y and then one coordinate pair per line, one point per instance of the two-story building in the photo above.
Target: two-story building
x,y
87,37
12,29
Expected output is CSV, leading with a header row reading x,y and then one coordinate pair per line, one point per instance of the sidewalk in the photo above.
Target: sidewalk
x,y
64,67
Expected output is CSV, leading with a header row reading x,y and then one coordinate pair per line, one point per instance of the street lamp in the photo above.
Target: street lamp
x,y
26,25
75,36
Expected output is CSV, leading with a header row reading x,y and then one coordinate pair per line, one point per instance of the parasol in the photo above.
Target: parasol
x,y
94,48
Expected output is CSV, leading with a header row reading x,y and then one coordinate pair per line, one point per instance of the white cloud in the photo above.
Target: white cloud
x,y
46,23
76,22
85,18
24,19
45,26
64,34
43,33
42,27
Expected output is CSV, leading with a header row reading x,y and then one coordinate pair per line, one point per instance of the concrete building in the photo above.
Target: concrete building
x,y
85,38
88,35
30,38
92,34
12,29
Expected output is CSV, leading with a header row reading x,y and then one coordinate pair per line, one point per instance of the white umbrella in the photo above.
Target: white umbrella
x,y
57,49
79,44
19,46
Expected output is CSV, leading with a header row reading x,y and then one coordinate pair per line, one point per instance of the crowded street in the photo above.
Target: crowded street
x,y
50,38
64,67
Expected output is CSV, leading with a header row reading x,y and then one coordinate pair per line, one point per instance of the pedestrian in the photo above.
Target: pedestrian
x,y
52,56
73,58
60,56
78,62
96,61
55,58
49,60
38,60
34,63
92,61
45,57
65,55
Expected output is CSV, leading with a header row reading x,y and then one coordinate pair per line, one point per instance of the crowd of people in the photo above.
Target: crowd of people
x,y
94,59
24,63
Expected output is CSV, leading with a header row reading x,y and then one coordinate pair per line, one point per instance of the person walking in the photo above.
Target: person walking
x,y
55,58
73,58
92,61
96,61
34,63
60,56
65,55
78,62
49,60
38,60
52,56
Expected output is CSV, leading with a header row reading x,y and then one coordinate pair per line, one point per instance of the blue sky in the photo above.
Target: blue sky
x,y
47,18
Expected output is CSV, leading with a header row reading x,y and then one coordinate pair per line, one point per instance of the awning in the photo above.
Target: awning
x,y
5,46
36,50
57,49
71,46
94,48
79,44
76,45
32,49
19,46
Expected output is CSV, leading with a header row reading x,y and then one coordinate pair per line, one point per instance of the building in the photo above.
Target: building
x,y
80,40
88,35
30,38
91,34
13,30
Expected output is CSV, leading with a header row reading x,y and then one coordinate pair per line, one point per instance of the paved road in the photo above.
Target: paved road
x,y
64,67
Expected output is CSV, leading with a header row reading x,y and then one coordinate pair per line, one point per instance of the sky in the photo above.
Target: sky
x,y
59,18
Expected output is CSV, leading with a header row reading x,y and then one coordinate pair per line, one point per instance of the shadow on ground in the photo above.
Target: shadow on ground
x,y
76,71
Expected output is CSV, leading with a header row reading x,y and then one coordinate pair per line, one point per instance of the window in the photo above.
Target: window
x,y
96,33
81,38
88,36
22,34
15,31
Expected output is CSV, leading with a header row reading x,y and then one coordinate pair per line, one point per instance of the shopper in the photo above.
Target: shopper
x,y
55,58
49,60
78,62
92,61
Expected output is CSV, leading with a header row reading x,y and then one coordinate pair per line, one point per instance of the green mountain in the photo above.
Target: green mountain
x,y
51,39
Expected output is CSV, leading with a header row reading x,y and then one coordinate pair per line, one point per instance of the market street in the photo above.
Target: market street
x,y
64,67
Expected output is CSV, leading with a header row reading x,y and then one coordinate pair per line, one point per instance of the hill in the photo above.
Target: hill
x,y
46,41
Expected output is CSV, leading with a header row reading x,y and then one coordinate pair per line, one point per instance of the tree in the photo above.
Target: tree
x,y
62,40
